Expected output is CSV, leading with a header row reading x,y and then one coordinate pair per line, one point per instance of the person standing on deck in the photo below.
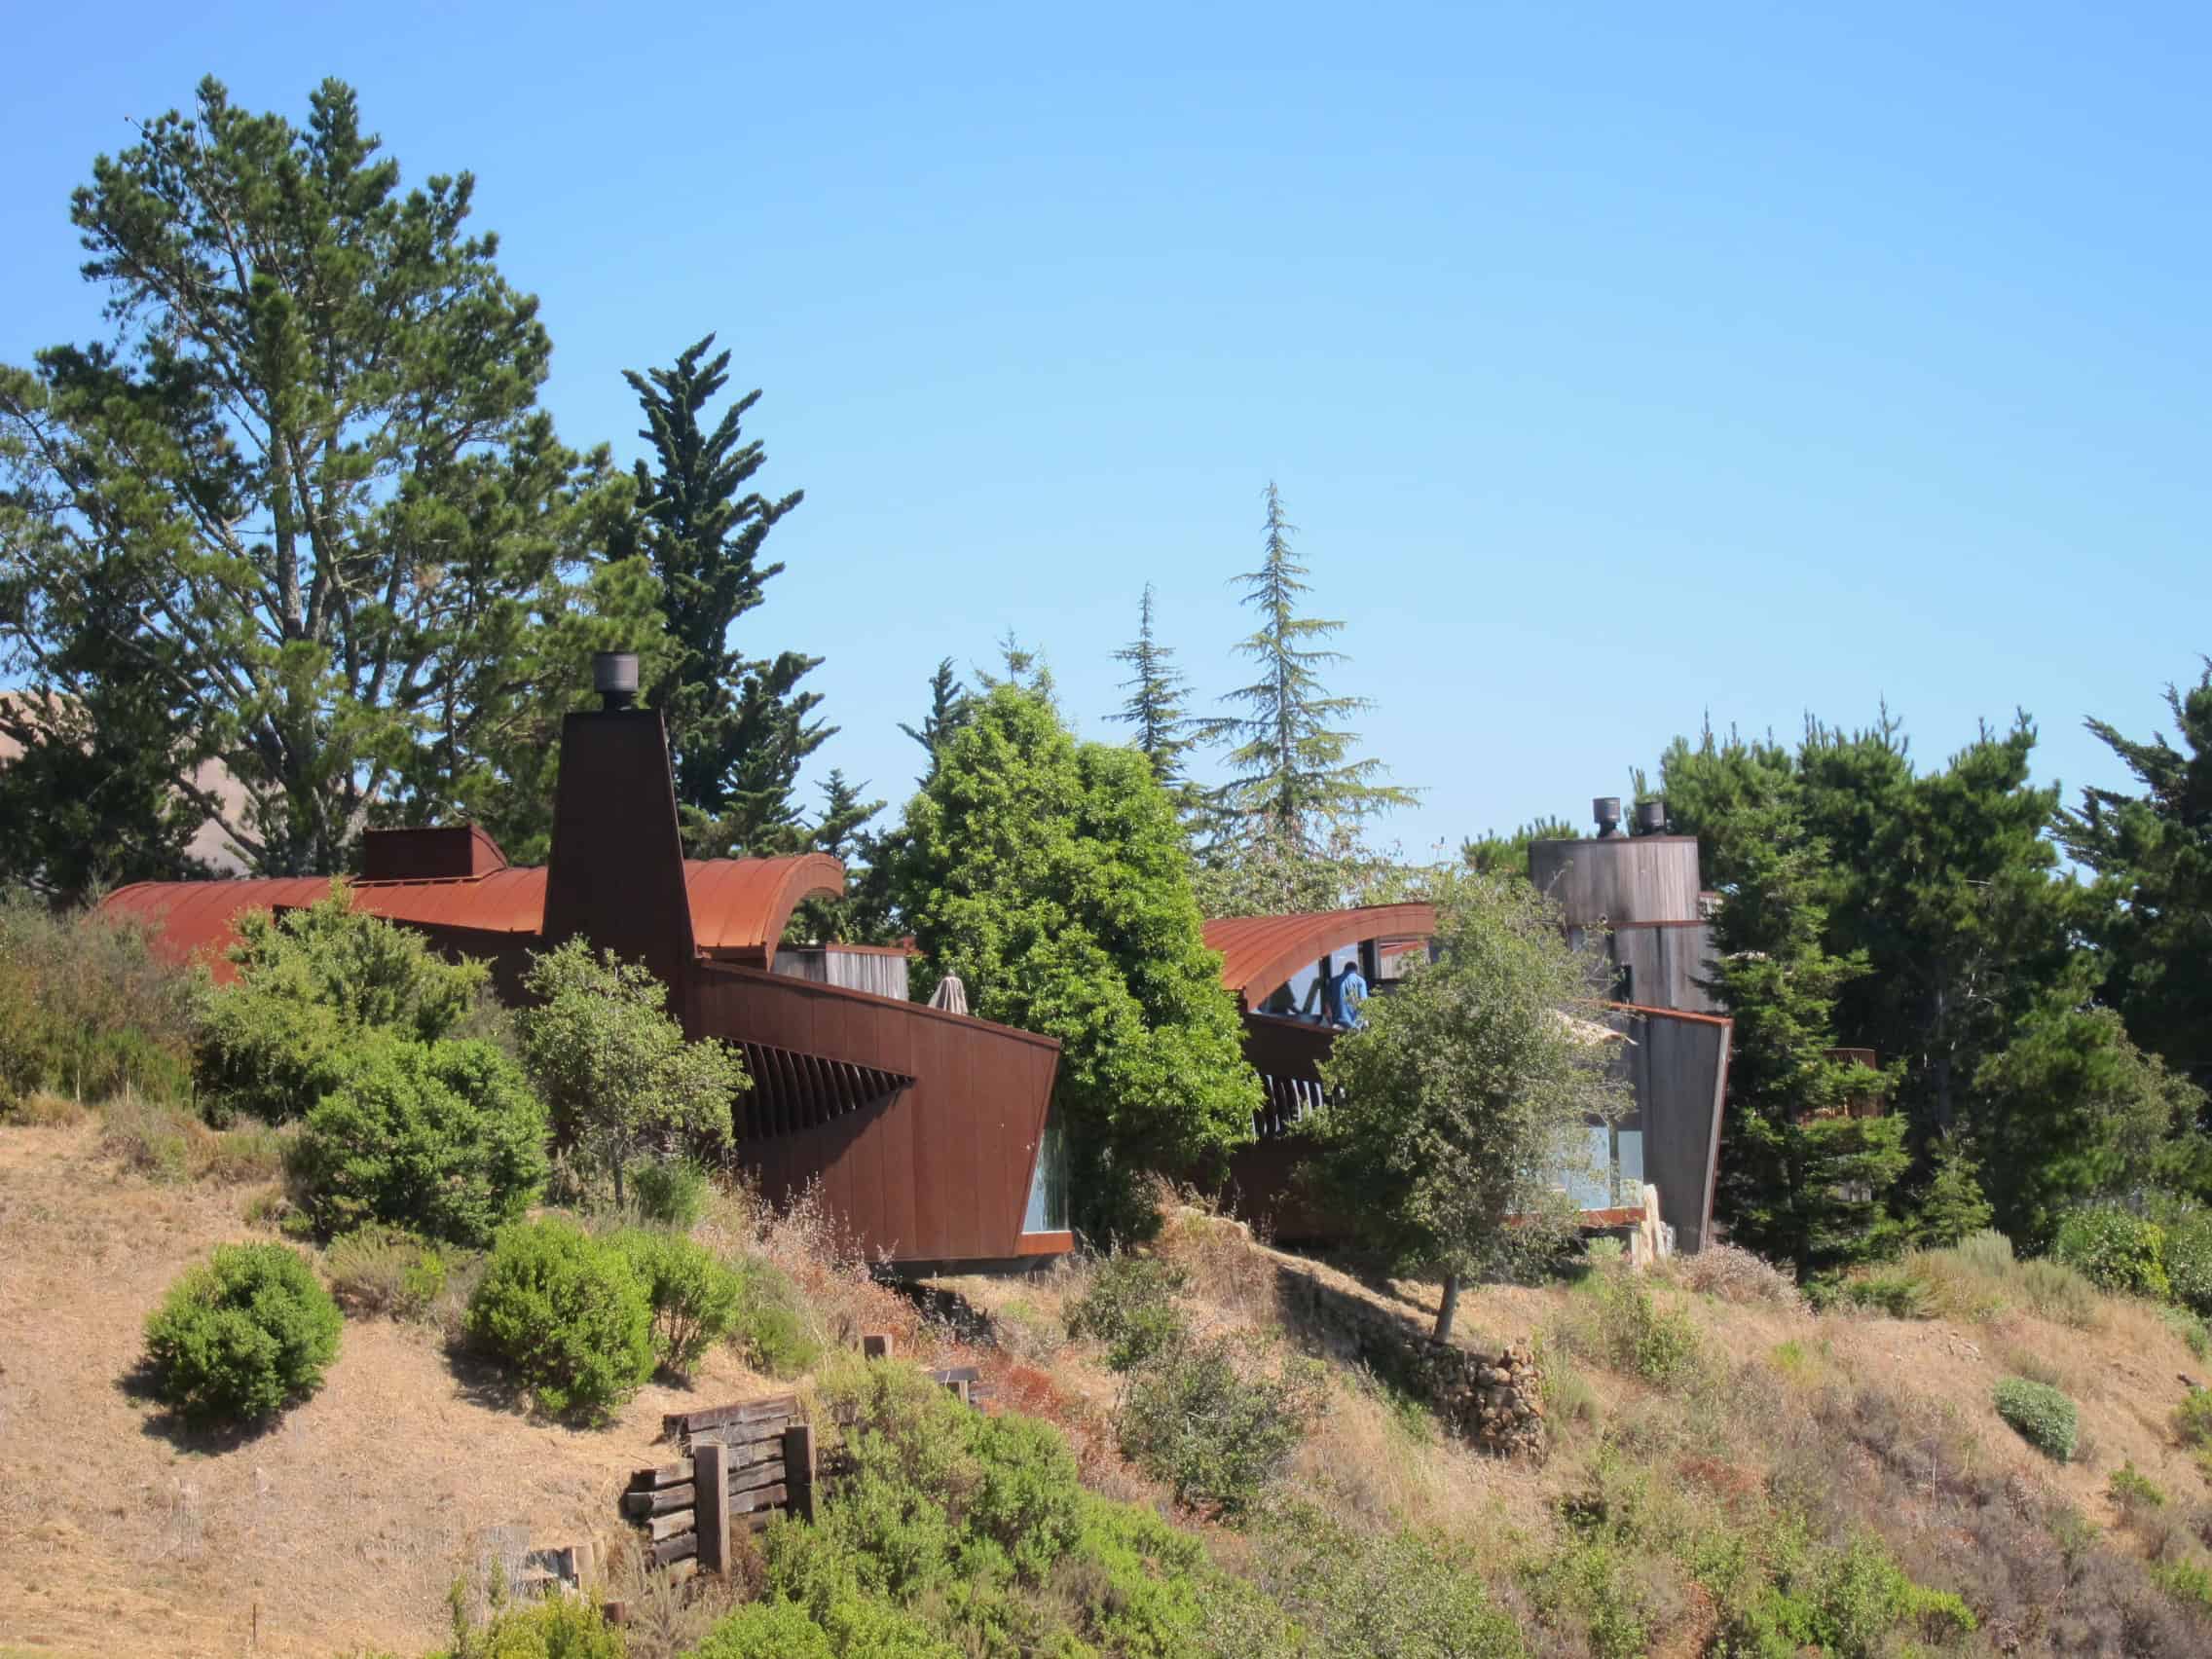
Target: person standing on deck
x,y
1348,992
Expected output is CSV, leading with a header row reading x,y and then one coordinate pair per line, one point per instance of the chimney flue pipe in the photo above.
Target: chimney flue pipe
x,y
1651,817
614,676
1607,809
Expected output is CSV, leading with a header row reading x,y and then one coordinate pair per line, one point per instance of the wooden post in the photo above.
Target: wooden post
x,y
711,1474
876,1345
798,1469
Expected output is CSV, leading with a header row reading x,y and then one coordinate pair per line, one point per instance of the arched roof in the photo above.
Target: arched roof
x,y
739,906
1259,953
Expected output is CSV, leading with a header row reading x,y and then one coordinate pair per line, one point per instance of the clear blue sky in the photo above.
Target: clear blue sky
x,y
1618,363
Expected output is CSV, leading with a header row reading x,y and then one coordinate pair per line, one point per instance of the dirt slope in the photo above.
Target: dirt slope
x,y
342,1528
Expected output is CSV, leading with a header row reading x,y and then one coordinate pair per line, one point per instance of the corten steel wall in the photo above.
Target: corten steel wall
x,y
1262,1178
1664,961
1678,1063
938,1172
1645,878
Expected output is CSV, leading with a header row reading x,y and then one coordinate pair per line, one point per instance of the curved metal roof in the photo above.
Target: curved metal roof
x,y
739,906
1259,953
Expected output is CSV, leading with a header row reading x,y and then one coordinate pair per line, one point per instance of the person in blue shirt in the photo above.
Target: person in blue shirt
x,y
1348,993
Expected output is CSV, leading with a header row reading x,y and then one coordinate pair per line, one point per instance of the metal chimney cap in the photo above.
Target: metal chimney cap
x,y
1607,810
614,676
1651,816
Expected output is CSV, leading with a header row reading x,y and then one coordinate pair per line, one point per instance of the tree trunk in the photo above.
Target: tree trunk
x,y
618,1196
1449,1308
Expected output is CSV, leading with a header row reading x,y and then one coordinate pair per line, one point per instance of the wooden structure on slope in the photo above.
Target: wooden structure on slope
x,y
927,1131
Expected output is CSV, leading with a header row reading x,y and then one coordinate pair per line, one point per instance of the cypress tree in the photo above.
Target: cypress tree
x,y
740,726
950,708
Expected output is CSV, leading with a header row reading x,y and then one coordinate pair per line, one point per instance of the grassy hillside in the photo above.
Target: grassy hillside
x,y
1730,1473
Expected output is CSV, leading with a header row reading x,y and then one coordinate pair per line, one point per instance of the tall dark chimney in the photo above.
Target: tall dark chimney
x,y
616,875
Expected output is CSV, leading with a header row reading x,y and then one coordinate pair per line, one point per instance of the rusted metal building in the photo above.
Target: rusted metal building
x,y
927,1131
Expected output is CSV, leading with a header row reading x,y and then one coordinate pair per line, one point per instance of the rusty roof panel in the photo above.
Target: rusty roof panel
x,y
1259,953
739,906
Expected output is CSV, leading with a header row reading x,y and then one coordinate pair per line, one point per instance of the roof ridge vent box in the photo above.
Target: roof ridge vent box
x,y
447,852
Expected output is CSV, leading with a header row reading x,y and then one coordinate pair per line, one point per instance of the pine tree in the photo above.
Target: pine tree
x,y
950,708
1156,704
1294,783
311,462
1952,1206
739,726
863,916
2151,853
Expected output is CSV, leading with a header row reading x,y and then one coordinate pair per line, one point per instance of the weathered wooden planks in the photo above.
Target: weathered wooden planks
x,y
641,1504
721,1417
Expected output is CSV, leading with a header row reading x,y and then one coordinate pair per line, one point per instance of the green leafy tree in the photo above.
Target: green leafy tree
x,y
1952,1205
1053,878
739,726
614,1066
1296,797
1803,1179
2151,855
1457,1109
311,470
1157,707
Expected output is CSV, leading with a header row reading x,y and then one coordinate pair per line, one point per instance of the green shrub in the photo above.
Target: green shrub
x,y
1587,1580
1630,1329
2188,1581
2044,1417
2130,1490
1202,1417
1849,1603
568,1316
444,1138
2193,1417
670,1192
695,1297
384,1270
2189,1328
148,1137
767,1630
1130,1308
87,1008
1389,1593
2189,1259
1899,1295
2115,1250
312,983
771,1330
240,1336
560,1627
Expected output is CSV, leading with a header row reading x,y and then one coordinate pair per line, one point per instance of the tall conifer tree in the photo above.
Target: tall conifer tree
x,y
950,708
1296,787
739,726
1158,704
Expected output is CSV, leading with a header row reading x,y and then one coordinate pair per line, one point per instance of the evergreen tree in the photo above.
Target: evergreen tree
x,y
739,726
1952,1206
863,916
1053,878
949,708
2151,855
91,797
1802,1179
314,467
1156,702
1293,783
1508,855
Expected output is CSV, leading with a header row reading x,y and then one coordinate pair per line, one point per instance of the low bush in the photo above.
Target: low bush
x,y
1850,1603
567,1315
87,1009
1615,1318
670,1192
771,1329
387,1270
148,1137
560,1627
2193,1419
1733,1274
312,983
2131,1491
2190,1328
240,1336
1900,1295
695,1296
442,1138
1215,1422
1978,1279
1130,1307
2188,1581
2189,1259
2115,1250
2042,1416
